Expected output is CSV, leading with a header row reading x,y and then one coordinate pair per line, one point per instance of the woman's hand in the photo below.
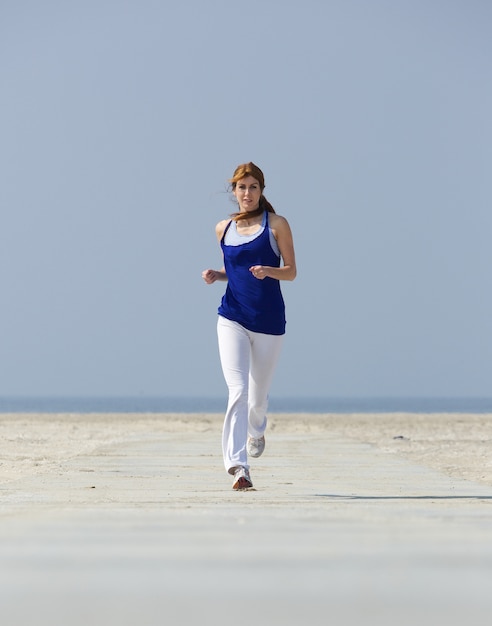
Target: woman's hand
x,y
259,271
210,276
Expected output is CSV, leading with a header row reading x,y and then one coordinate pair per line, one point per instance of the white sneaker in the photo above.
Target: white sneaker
x,y
242,479
256,446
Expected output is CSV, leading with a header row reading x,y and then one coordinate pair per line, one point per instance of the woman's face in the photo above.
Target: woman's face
x,y
248,193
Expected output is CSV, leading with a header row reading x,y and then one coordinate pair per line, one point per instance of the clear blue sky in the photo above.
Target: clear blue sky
x,y
120,123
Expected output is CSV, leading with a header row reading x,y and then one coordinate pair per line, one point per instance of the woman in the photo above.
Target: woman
x,y
251,322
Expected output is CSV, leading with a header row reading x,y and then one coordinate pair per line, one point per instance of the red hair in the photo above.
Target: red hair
x,y
250,169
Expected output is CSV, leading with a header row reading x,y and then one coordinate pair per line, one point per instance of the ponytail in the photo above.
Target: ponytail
x,y
265,205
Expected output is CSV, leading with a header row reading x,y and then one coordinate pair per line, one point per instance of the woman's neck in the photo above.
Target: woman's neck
x,y
249,217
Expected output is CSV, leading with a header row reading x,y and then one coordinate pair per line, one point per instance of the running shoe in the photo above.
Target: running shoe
x,y
242,479
256,446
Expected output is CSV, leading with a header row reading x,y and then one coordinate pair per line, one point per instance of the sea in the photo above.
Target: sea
x,y
145,404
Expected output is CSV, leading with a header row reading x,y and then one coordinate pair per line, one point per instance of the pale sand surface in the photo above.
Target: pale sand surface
x,y
456,444
355,519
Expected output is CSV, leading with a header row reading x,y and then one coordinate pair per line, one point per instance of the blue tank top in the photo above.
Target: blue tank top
x,y
256,304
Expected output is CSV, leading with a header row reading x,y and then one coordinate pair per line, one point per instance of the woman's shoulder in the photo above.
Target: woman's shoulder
x,y
220,228
277,222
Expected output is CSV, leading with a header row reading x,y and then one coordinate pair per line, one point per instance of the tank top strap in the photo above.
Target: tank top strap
x,y
225,230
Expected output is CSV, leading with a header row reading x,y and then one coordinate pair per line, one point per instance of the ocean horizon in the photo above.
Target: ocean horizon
x,y
169,404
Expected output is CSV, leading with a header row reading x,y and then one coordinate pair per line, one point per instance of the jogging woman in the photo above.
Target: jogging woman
x,y
258,253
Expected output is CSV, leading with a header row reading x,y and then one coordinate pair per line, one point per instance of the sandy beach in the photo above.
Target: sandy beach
x,y
354,519
456,444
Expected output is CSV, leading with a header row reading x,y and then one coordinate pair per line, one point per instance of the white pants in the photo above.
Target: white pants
x,y
248,362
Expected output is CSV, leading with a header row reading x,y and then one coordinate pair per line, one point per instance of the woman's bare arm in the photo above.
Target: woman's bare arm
x,y
283,234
